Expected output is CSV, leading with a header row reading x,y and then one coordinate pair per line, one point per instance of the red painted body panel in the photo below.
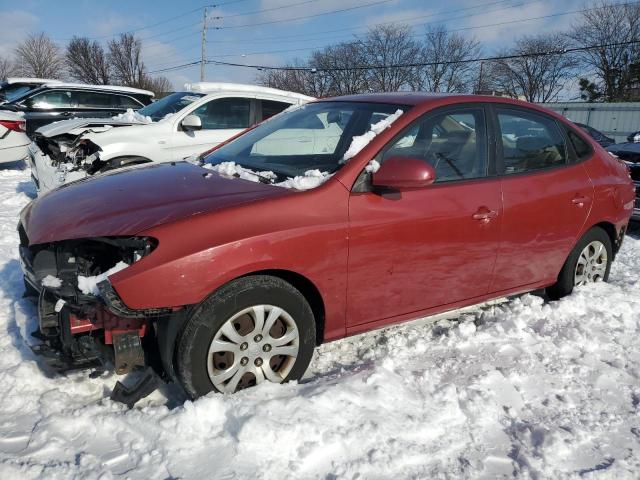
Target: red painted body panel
x,y
540,219
375,259
421,248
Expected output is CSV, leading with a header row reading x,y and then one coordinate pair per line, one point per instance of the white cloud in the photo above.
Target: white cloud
x,y
506,33
15,26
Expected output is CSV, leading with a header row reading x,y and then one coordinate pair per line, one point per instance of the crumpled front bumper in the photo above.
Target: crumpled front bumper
x,y
47,176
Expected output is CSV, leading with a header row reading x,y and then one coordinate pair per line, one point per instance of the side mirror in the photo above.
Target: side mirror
x,y
191,122
404,173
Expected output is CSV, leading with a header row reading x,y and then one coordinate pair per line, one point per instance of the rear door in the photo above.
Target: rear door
x,y
546,198
221,119
422,248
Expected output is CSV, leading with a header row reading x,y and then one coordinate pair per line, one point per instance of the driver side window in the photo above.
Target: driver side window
x,y
225,113
454,143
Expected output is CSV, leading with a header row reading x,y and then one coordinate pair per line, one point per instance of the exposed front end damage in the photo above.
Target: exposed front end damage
x,y
61,153
59,160
82,321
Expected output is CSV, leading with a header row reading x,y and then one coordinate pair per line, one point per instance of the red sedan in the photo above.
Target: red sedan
x,y
339,217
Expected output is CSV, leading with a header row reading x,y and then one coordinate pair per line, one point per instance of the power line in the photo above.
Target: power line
x,y
266,9
563,51
331,12
417,35
488,4
310,69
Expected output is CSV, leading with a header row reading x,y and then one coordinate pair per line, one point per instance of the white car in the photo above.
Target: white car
x,y
14,143
180,125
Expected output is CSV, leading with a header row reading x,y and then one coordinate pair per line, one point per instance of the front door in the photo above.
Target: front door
x,y
546,199
221,119
417,249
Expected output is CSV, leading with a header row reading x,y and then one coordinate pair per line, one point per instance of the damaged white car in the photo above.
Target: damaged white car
x,y
178,126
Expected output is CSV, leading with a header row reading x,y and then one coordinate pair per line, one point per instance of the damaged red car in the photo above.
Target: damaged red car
x,y
338,217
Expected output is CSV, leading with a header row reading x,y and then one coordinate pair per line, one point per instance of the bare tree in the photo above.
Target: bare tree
x,y
39,56
158,85
533,73
387,47
125,58
298,77
337,62
7,68
610,26
87,61
448,56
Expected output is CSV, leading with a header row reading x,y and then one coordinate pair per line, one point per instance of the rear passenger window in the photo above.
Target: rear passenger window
x,y
455,144
82,99
530,142
271,108
580,146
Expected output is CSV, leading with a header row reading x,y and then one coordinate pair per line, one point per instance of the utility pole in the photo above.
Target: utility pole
x,y
204,45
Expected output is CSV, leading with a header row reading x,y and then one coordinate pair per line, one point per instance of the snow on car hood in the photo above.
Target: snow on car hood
x,y
78,125
130,201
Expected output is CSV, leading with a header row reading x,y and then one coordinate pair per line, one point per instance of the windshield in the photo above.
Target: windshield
x,y
170,104
315,136
11,92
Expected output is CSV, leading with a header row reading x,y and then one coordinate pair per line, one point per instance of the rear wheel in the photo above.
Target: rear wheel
x,y
254,329
588,262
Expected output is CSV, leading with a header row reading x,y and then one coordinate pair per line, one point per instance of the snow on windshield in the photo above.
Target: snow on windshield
x,y
133,117
310,179
361,141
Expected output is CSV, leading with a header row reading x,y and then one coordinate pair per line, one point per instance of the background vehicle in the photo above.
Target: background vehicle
x,y
630,153
179,125
14,87
231,279
52,102
598,136
14,142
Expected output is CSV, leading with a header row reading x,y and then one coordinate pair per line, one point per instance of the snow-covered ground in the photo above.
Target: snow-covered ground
x,y
521,388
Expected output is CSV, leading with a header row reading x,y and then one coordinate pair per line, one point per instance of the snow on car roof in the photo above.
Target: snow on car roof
x,y
212,87
111,88
11,80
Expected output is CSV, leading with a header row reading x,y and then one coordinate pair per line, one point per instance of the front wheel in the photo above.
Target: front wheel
x,y
589,261
254,329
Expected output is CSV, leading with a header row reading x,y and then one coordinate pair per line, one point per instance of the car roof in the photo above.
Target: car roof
x,y
11,80
108,88
420,98
216,87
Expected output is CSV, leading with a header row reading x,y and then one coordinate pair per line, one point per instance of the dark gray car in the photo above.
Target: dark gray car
x,y
50,103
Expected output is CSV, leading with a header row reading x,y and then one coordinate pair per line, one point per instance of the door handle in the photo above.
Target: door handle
x,y
485,215
580,201
66,114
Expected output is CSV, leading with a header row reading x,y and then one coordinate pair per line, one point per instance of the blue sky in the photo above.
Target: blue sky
x,y
171,30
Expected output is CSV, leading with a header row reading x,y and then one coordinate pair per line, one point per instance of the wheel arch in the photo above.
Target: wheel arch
x,y
168,332
610,229
308,290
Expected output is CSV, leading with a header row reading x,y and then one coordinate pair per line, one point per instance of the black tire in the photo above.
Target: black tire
x,y
564,285
205,321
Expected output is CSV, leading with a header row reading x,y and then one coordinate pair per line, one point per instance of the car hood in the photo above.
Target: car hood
x,y
78,125
624,147
130,201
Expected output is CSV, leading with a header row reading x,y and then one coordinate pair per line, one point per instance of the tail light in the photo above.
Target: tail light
x,y
14,125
